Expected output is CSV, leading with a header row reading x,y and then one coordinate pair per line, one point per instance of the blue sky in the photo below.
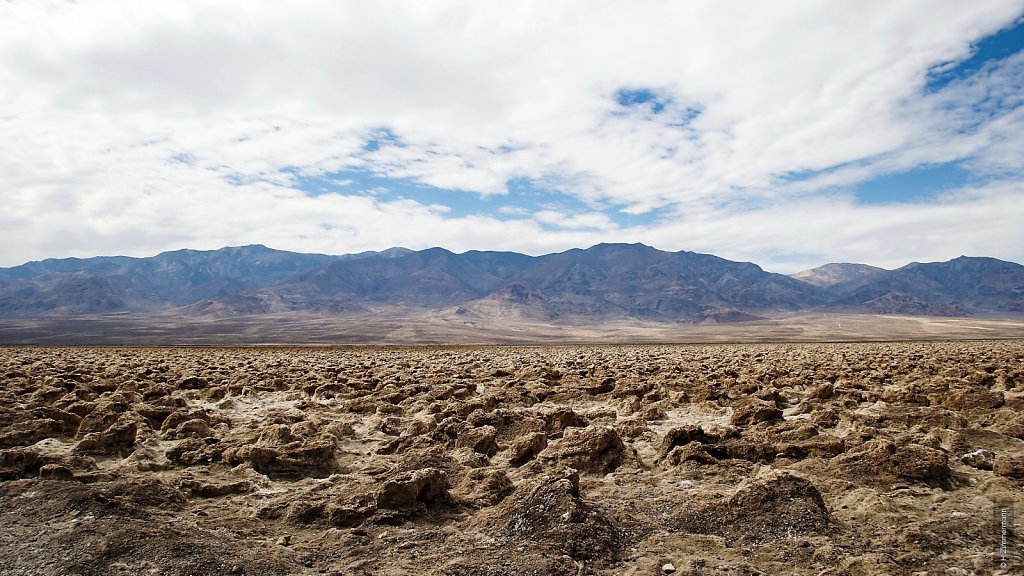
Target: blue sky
x,y
789,134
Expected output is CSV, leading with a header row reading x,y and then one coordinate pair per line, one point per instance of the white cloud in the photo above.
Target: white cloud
x,y
134,129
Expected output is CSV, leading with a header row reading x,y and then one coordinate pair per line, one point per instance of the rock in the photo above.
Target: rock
x,y
668,568
821,446
883,460
1009,423
422,486
195,428
976,400
755,411
213,489
56,472
284,540
1009,466
683,436
692,452
822,391
30,432
17,462
276,435
29,462
149,492
980,459
482,440
769,507
192,383
915,462
549,512
193,451
178,417
295,460
595,449
482,487
526,447
603,387
119,437
557,420
751,450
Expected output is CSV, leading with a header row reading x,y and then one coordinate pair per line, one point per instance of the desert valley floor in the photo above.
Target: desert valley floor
x,y
815,458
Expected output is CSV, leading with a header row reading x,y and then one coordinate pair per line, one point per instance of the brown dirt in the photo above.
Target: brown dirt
x,y
858,458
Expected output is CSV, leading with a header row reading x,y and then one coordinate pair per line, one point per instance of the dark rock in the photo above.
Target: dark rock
x,y
769,507
549,512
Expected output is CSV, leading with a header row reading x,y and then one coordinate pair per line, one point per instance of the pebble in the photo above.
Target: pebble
x,y
284,540
686,484
668,568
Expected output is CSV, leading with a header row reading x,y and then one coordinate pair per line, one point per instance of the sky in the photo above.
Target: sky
x,y
786,133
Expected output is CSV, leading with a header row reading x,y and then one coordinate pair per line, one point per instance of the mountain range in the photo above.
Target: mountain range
x,y
602,282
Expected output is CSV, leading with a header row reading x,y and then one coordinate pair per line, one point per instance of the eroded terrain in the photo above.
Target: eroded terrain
x,y
866,458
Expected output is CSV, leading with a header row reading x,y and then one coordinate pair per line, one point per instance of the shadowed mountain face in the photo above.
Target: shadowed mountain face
x,y
607,280
640,281
432,278
604,281
117,284
952,288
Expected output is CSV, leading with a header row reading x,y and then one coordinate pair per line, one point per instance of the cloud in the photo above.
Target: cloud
x,y
737,128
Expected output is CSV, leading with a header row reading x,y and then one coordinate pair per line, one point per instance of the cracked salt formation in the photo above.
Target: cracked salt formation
x,y
867,458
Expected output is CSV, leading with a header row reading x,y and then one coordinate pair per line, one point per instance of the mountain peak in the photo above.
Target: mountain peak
x,y
639,246
838,273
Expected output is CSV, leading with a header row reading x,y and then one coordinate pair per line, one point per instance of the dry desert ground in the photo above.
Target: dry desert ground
x,y
714,459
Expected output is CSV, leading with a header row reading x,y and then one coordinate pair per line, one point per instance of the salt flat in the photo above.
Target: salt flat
x,y
801,458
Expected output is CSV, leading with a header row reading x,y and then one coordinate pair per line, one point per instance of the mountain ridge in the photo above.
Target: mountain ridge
x,y
605,281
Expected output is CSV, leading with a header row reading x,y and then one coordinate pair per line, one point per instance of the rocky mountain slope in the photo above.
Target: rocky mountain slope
x,y
962,286
624,281
607,280
840,274
167,280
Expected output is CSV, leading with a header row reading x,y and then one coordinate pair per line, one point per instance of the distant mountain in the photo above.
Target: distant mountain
x,y
634,280
606,281
432,278
842,274
958,287
169,279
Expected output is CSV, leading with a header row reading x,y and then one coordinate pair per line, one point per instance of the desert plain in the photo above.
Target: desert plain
x,y
700,459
